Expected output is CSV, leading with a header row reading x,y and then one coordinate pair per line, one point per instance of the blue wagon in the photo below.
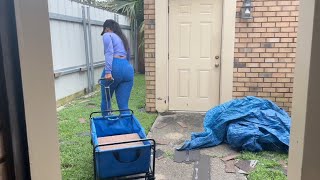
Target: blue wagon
x,y
131,162
124,160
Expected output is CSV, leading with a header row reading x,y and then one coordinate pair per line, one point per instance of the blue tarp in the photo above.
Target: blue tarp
x,y
250,123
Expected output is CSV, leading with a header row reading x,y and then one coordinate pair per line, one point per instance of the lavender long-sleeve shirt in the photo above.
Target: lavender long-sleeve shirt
x,y
113,46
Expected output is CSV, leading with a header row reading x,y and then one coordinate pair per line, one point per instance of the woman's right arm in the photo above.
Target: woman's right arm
x,y
108,46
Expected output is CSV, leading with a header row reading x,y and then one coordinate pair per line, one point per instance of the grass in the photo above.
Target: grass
x,y
268,166
74,137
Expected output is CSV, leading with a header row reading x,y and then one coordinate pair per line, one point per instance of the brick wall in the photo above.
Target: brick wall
x,y
149,36
265,49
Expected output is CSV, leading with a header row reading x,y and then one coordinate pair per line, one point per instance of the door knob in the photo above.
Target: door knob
x,y
217,57
217,65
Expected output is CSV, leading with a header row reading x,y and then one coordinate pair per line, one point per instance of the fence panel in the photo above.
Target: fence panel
x,y
77,47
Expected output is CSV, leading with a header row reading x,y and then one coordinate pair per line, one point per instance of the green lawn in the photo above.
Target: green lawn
x,y
76,149
74,137
269,165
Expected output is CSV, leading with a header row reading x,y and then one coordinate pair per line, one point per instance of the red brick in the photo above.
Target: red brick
x,y
269,89
282,34
268,13
239,74
270,80
264,85
279,65
244,59
274,19
281,45
254,25
258,49
284,3
253,65
264,94
252,35
245,39
290,65
274,40
284,70
261,8
283,14
267,65
246,30
277,95
254,45
283,89
289,8
270,70
266,54
270,50
285,49
238,84
271,60
250,93
287,29
242,89
238,94
252,54
294,24
268,24
243,79
273,30
294,13
257,14
260,19
244,70
293,34
288,18
279,75
252,75
267,35
250,84
290,85
240,45
277,85
283,100
259,60
275,8
295,3
287,40
259,40
257,69
241,25
270,3
282,24
256,80
254,3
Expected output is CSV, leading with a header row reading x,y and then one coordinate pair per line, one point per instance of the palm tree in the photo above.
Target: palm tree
x,y
134,10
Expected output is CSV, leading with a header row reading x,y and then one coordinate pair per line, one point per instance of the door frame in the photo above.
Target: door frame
x,y
162,51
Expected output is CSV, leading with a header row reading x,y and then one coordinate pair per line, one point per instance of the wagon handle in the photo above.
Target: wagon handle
x,y
110,111
104,79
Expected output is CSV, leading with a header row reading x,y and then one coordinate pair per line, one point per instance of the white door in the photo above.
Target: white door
x,y
194,54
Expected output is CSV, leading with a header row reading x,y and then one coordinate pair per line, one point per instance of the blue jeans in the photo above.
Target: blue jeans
x,y
122,73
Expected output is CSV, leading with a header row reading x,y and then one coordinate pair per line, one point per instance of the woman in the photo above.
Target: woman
x,y
117,67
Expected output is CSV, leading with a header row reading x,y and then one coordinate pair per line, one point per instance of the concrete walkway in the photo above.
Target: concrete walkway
x,y
170,131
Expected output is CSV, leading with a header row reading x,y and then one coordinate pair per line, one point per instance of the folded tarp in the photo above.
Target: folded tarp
x,y
250,123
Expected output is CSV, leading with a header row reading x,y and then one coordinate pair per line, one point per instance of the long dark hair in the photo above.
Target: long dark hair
x,y
115,27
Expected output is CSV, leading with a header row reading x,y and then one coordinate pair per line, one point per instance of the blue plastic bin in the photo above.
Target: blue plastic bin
x,y
121,162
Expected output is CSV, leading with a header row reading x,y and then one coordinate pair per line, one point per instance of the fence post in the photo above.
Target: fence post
x,y
85,33
90,49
